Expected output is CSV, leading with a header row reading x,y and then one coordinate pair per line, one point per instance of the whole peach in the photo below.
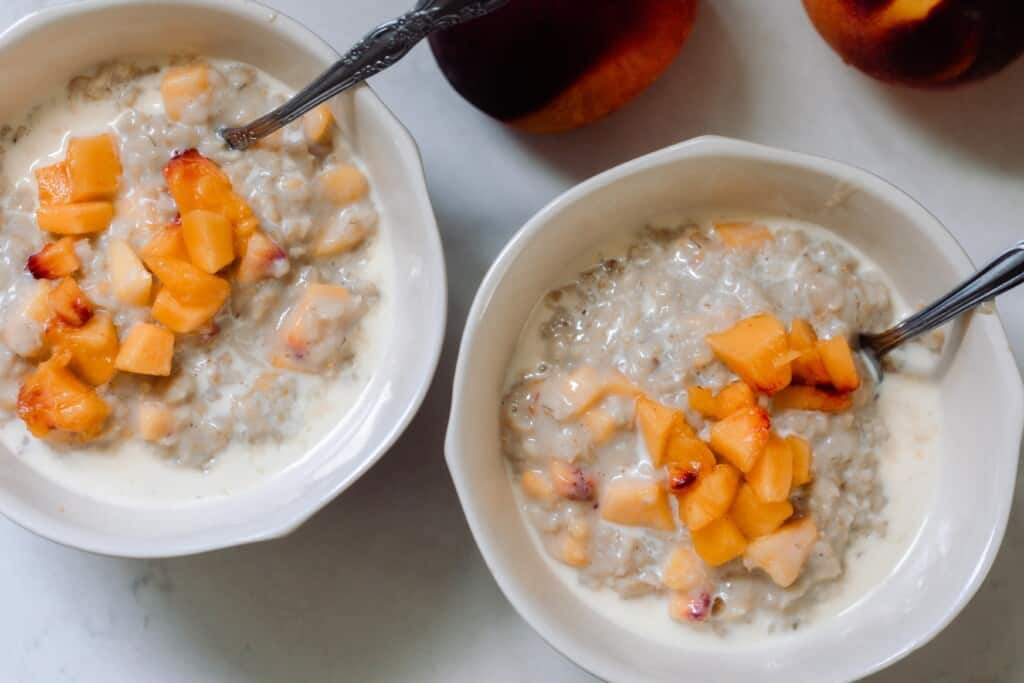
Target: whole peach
x,y
923,43
554,65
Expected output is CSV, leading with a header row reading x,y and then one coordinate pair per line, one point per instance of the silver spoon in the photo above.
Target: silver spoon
x,y
1001,275
380,49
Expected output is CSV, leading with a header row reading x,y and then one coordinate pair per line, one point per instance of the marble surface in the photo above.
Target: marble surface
x,y
386,584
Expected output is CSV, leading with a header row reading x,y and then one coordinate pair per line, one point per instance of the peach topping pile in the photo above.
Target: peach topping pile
x,y
733,490
183,274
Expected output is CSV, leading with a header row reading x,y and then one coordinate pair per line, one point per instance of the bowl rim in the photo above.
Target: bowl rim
x,y
257,528
601,664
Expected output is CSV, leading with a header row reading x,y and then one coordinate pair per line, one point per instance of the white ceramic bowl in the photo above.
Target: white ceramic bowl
x,y
981,396
45,50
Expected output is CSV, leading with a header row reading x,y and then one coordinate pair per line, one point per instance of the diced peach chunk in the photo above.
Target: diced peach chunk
x,y
811,398
54,184
146,350
75,219
801,460
314,328
167,242
657,423
178,317
689,606
756,518
69,302
263,259
684,570
585,387
154,421
196,182
729,400
686,452
600,424
130,280
719,542
537,485
635,501
93,346
808,367
94,167
318,125
343,184
756,349
53,399
772,474
734,397
340,237
710,497
743,235
571,481
189,285
838,360
55,260
573,551
782,554
181,86
741,438
209,239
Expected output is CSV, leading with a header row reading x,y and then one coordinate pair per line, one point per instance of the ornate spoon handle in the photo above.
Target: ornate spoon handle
x,y
380,49
1001,275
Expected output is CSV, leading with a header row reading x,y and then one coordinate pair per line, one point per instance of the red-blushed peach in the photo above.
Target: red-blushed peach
x,y
553,65
922,43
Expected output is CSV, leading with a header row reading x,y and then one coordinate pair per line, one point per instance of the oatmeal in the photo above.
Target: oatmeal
x,y
163,294
687,424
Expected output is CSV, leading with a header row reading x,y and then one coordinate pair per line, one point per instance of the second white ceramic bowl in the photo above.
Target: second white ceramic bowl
x,y
982,400
48,48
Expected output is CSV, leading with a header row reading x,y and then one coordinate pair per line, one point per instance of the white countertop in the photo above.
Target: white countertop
x,y
386,584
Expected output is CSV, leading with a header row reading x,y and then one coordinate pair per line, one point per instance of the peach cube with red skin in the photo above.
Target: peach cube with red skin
x,y
94,168
209,239
755,517
637,501
571,481
306,336
741,438
719,542
146,350
69,302
75,219
756,349
53,399
687,452
54,184
263,259
710,498
772,474
783,553
55,260
93,346
181,86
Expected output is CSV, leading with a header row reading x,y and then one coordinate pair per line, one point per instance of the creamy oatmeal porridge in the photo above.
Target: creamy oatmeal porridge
x,y
179,319
690,433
